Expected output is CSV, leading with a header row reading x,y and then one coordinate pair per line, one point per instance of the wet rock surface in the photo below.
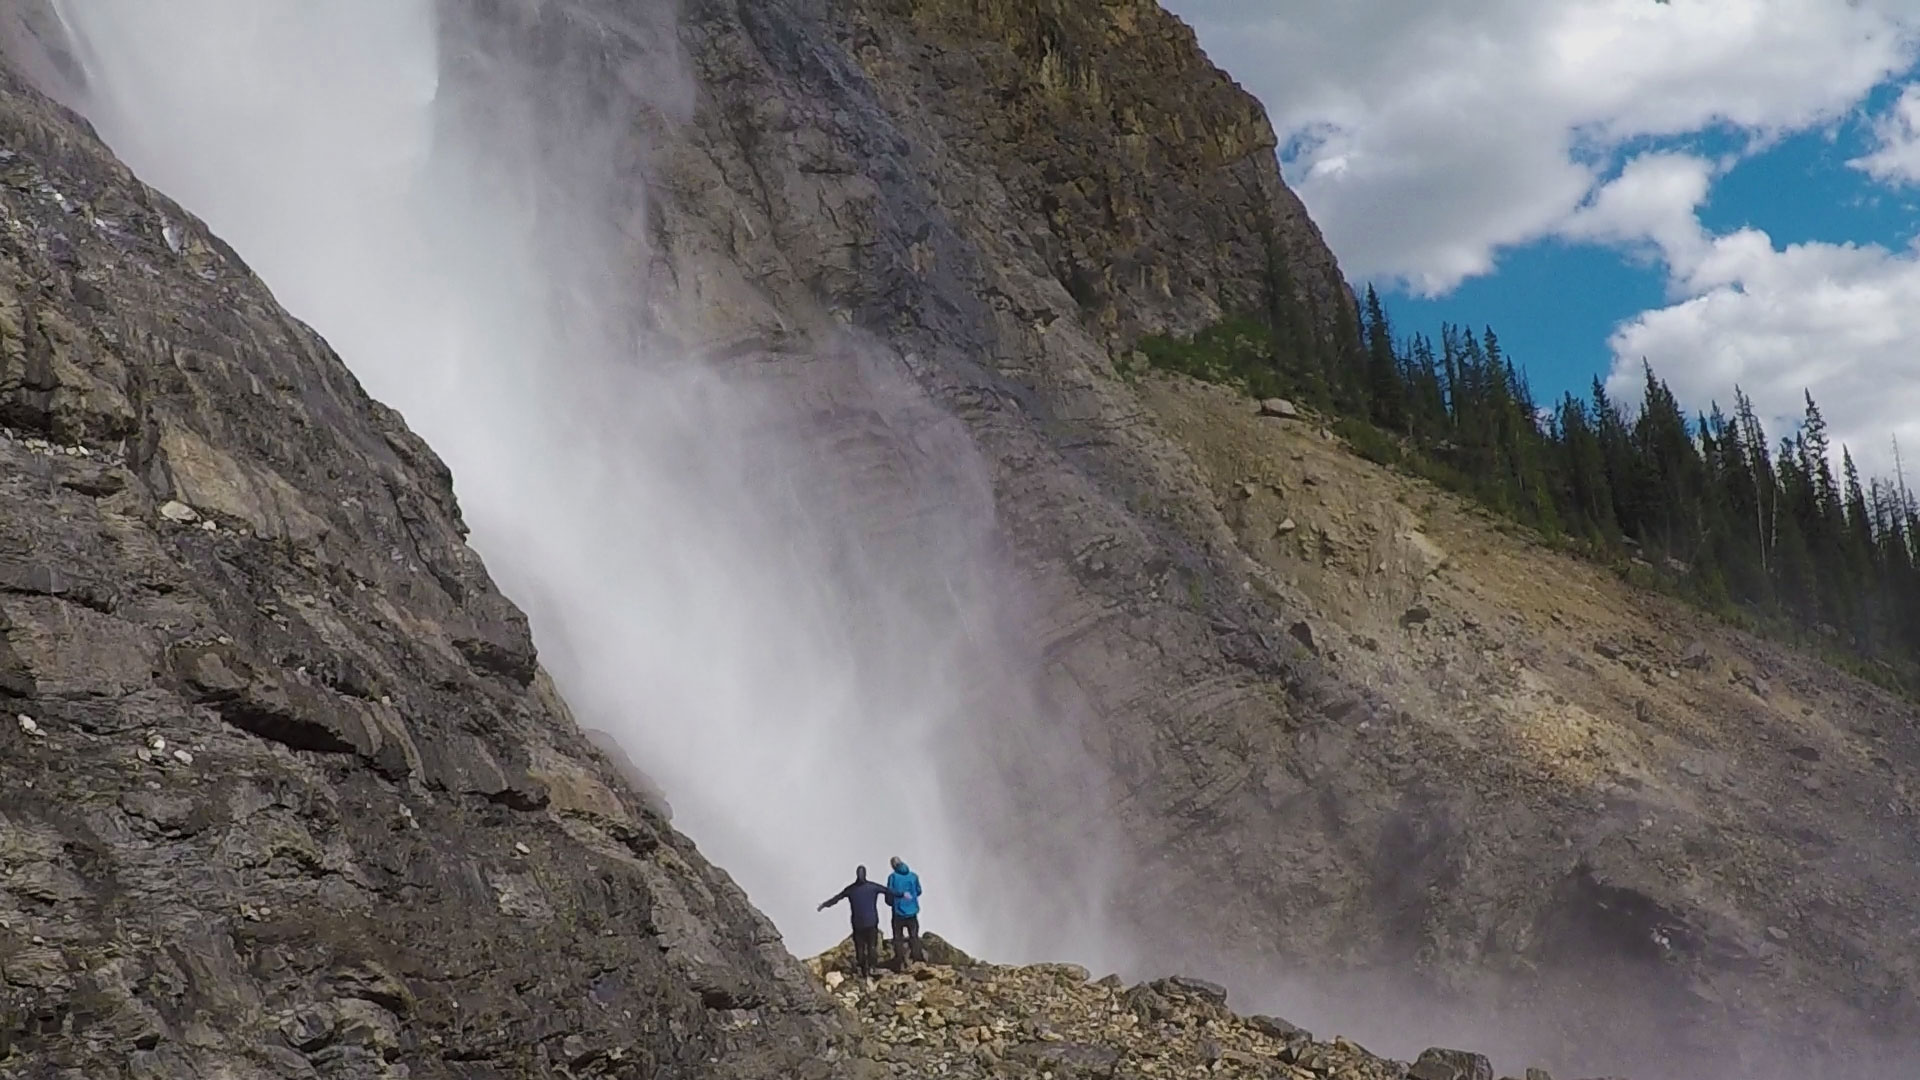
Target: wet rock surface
x,y
931,179
899,273
283,789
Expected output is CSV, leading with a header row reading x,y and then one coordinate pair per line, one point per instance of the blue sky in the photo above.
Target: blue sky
x,y
1552,302
1555,302
1729,188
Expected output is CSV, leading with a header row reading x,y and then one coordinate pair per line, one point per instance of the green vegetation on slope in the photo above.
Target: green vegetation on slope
x,y
1706,508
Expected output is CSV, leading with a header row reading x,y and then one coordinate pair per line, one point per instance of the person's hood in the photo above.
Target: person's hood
x,y
903,868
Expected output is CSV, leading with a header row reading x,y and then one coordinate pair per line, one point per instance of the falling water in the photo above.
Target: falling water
x,y
810,669
797,636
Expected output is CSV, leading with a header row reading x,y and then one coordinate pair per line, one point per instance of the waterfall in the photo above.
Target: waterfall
x,y
801,648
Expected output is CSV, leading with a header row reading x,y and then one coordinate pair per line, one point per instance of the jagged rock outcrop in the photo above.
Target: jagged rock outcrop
x,y
1145,181
283,789
962,1018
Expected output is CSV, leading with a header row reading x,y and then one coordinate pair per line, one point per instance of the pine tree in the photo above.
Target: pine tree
x,y
1343,357
1817,457
1385,390
1426,395
1668,472
1767,526
1857,570
1793,574
1298,354
1822,521
1616,451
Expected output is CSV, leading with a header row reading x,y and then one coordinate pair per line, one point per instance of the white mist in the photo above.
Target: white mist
x,y
809,696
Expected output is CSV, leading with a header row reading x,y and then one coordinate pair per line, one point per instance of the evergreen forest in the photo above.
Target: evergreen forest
x,y
1774,531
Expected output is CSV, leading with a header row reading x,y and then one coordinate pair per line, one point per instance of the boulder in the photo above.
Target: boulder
x,y
1200,988
1277,1028
939,952
1067,1061
1439,1064
1147,1003
1279,408
1426,557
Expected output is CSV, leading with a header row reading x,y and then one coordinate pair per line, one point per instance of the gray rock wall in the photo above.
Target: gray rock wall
x,y
1000,196
283,790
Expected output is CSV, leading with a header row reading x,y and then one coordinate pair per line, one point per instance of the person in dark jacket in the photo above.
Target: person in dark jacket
x,y
903,889
863,897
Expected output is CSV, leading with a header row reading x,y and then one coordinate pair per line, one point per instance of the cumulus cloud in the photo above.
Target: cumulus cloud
x,y
1426,135
1650,208
1896,156
1838,320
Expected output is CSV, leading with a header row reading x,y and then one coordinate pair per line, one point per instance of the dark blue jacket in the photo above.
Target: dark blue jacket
x,y
905,885
864,897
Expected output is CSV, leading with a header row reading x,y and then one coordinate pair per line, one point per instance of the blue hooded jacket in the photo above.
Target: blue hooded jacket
x,y
904,884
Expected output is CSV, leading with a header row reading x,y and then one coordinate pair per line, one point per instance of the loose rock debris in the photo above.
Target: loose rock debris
x,y
961,1018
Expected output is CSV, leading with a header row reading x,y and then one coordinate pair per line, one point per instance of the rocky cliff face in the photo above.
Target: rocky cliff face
x,y
996,197
387,843
285,791
1144,180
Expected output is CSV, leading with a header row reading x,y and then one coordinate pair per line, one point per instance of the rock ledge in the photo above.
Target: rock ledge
x,y
959,1017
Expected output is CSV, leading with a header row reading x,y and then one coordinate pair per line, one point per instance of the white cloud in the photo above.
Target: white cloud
x,y
1650,206
1897,157
1839,320
1429,134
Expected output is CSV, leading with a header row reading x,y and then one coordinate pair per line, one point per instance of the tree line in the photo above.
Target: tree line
x,y
1707,506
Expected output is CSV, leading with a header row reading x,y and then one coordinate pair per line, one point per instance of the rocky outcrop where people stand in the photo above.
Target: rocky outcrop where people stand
x,y
958,1017
283,789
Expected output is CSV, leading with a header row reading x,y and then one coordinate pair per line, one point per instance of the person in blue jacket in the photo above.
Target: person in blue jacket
x,y
903,891
863,897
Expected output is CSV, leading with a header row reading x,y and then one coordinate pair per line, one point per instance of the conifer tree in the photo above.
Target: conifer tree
x,y
1386,388
1728,515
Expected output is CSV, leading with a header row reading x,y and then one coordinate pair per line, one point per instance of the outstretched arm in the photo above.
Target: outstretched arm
x,y
836,898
